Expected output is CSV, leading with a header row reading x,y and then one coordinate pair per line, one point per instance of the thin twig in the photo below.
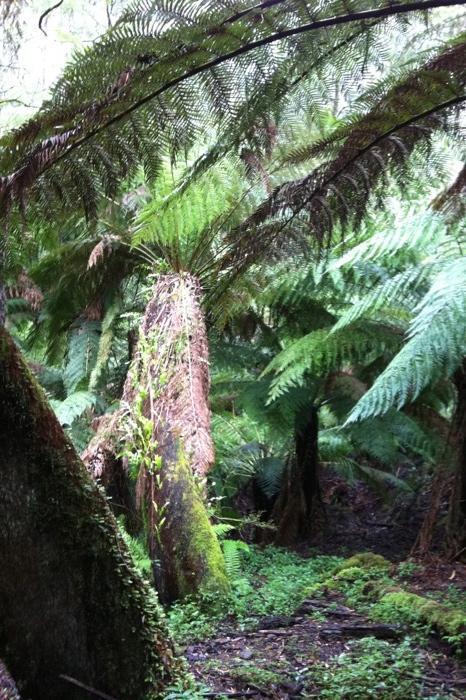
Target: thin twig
x,y
93,691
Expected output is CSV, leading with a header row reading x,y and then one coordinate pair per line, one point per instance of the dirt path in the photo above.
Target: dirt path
x,y
276,658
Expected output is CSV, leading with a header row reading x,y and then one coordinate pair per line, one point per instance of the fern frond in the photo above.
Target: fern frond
x,y
83,349
319,353
179,71
74,406
435,347
399,290
233,551
414,232
367,148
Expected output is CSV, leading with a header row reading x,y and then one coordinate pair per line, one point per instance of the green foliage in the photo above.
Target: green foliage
x,y
73,407
138,550
435,346
402,606
271,582
320,353
372,668
82,354
134,98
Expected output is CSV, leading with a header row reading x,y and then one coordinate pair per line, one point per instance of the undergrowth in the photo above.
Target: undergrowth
x,y
271,582
371,668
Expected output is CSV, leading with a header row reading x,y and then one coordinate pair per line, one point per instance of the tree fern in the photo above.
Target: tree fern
x,y
319,353
434,348
159,76
82,354
75,404
399,291
363,150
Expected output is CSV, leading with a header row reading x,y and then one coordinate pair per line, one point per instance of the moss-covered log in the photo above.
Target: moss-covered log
x,y
169,431
71,602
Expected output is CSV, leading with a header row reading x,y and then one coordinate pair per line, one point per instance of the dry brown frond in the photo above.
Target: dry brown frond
x,y
178,369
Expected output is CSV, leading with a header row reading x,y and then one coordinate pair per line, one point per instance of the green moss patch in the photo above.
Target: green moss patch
x,y
364,560
415,609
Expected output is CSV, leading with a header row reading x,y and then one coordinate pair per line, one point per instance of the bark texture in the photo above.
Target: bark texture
x,y
2,304
168,385
103,459
457,515
71,602
179,367
298,512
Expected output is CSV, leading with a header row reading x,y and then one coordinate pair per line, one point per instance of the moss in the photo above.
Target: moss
x,y
415,608
189,546
262,678
206,543
56,521
352,573
364,560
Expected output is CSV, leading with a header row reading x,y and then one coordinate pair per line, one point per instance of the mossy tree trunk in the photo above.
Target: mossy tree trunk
x,y
457,515
167,393
298,512
71,602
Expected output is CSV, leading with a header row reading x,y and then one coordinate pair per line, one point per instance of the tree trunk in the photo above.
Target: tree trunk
x,y
169,436
299,512
103,459
71,602
457,514
2,304
441,482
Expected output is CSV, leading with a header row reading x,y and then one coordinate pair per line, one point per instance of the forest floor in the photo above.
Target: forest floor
x,y
327,648
316,624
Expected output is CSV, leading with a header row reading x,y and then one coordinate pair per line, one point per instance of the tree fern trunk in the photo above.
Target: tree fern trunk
x,y
457,515
299,513
2,304
167,389
71,602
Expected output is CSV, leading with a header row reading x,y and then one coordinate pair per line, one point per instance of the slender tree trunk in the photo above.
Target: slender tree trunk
x,y
441,481
2,304
299,512
457,514
71,602
167,393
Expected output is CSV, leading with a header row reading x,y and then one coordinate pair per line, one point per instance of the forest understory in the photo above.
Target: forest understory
x,y
232,349
310,623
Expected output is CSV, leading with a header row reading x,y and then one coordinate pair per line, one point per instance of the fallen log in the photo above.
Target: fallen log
x,y
367,630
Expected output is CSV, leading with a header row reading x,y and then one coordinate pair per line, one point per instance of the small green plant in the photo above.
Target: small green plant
x,y
261,678
233,550
371,668
137,549
271,581
188,689
406,569
189,622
